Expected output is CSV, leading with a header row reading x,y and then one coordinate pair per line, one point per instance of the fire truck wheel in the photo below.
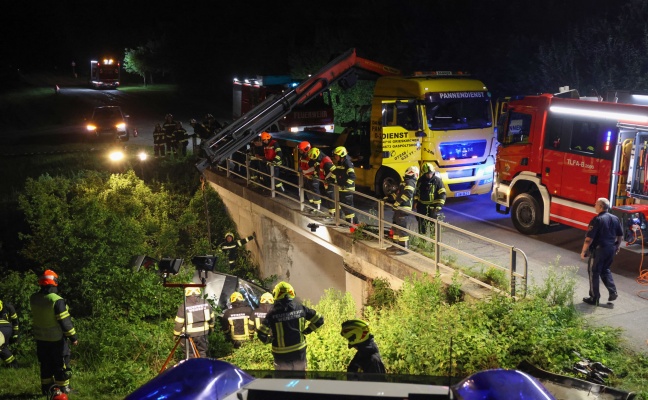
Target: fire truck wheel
x,y
388,182
526,214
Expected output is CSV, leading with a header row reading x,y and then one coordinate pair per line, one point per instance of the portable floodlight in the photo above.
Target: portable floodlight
x,y
204,263
142,262
170,265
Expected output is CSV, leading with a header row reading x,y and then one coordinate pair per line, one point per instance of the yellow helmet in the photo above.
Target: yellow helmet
x,y
267,298
236,296
355,331
340,151
313,153
427,167
2,305
283,289
190,291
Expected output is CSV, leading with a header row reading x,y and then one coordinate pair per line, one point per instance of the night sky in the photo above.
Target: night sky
x,y
263,36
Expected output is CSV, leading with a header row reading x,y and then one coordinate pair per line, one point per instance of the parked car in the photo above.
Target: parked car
x,y
109,121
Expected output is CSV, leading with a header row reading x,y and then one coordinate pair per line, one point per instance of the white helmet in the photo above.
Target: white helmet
x,y
412,171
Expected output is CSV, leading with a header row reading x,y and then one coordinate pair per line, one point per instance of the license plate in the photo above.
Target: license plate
x,y
462,193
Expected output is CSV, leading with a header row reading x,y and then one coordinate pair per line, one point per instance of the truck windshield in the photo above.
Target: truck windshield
x,y
458,110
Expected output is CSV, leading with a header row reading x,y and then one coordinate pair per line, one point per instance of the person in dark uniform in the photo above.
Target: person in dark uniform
x,y
159,141
181,138
430,195
602,242
8,333
266,303
402,201
230,246
367,358
345,177
199,317
169,127
286,327
323,177
238,322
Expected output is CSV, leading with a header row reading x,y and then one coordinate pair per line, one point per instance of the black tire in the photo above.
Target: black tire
x,y
387,183
526,214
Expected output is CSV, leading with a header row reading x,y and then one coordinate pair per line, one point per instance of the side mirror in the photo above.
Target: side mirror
x,y
420,134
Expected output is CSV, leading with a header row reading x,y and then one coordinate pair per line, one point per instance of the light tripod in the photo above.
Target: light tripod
x,y
184,334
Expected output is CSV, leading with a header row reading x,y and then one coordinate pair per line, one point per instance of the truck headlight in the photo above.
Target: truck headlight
x,y
91,127
121,126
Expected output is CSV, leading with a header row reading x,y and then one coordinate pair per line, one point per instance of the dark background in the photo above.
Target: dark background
x,y
211,41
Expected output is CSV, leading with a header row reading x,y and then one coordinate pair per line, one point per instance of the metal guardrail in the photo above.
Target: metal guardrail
x,y
447,247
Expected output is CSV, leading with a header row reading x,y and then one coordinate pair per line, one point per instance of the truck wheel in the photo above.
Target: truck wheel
x,y
526,214
388,183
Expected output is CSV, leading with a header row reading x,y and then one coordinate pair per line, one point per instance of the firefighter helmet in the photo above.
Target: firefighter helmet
x,y
49,278
313,153
427,167
168,116
1,305
266,136
412,171
283,289
236,296
192,291
304,147
355,331
229,234
340,151
266,298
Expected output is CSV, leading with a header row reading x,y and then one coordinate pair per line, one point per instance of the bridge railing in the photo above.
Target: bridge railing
x,y
445,246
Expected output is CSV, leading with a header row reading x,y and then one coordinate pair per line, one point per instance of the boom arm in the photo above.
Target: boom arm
x,y
236,135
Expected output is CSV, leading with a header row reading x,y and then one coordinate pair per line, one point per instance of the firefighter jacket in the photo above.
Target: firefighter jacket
x,y
8,317
159,135
201,130
403,198
51,317
306,168
430,191
345,174
181,136
238,322
324,168
287,324
169,127
272,152
231,248
367,359
260,314
199,317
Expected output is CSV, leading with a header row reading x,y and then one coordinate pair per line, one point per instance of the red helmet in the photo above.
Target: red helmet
x,y
266,136
304,147
48,278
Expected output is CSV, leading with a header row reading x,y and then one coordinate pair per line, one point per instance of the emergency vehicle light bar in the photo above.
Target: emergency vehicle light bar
x,y
615,116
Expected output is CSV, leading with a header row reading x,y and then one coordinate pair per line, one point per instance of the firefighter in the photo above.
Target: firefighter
x,y
212,124
52,328
195,320
324,176
429,196
266,303
159,141
229,246
367,358
402,201
307,168
8,333
257,157
169,127
345,178
273,156
181,138
200,132
286,326
238,321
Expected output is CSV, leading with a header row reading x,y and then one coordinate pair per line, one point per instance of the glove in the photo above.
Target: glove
x,y
307,331
250,238
437,209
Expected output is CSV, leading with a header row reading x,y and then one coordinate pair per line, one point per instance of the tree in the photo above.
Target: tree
x,y
152,58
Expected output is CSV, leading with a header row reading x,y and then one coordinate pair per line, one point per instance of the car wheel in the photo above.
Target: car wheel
x,y
526,214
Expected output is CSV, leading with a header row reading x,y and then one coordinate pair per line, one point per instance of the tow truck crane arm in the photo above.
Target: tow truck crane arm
x,y
236,135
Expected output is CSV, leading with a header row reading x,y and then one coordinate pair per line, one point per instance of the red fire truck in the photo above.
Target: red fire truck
x,y
105,74
314,116
557,156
